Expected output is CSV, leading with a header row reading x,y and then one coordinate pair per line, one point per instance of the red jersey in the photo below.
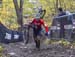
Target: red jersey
x,y
40,23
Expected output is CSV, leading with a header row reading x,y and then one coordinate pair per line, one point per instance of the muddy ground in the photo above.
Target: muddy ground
x,y
52,50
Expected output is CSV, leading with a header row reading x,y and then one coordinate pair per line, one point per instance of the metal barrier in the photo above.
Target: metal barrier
x,y
63,27
9,36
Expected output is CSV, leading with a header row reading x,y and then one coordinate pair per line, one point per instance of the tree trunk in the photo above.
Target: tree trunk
x,y
19,12
56,6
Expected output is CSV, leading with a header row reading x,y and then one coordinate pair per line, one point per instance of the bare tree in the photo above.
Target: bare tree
x,y
57,1
19,12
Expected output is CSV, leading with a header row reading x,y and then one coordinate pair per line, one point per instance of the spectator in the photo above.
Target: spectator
x,y
61,12
62,22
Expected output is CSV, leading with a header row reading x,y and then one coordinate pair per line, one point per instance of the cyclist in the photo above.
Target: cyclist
x,y
37,24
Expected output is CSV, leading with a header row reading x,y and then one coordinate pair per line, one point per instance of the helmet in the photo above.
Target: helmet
x,y
37,16
40,8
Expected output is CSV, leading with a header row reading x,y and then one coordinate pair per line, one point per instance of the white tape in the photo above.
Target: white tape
x,y
73,27
8,36
16,36
58,28
53,28
68,26
73,22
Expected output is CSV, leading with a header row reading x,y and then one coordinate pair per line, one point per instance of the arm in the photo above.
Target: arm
x,y
32,21
30,24
45,26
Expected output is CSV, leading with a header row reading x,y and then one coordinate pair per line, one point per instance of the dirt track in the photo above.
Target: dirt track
x,y
52,50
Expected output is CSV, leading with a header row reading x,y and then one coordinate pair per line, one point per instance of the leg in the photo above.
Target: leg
x,y
37,42
36,33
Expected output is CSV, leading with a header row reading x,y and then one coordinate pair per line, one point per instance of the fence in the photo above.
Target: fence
x,y
63,27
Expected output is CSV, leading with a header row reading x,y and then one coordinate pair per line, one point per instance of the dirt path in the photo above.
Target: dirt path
x,y
21,50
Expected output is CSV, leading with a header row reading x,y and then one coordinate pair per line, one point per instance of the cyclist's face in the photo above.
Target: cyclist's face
x,y
37,18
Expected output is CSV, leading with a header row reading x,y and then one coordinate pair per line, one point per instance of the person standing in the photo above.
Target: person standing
x,y
63,22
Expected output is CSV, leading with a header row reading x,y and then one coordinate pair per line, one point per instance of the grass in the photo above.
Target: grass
x,y
1,51
62,42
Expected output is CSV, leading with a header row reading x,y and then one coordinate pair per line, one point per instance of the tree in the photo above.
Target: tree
x,y
19,12
0,3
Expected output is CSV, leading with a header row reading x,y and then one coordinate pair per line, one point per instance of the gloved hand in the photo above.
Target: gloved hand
x,y
46,33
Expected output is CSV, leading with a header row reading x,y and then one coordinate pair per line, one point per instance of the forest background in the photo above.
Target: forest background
x,y
8,14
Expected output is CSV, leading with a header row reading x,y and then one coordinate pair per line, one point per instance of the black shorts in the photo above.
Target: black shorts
x,y
37,32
